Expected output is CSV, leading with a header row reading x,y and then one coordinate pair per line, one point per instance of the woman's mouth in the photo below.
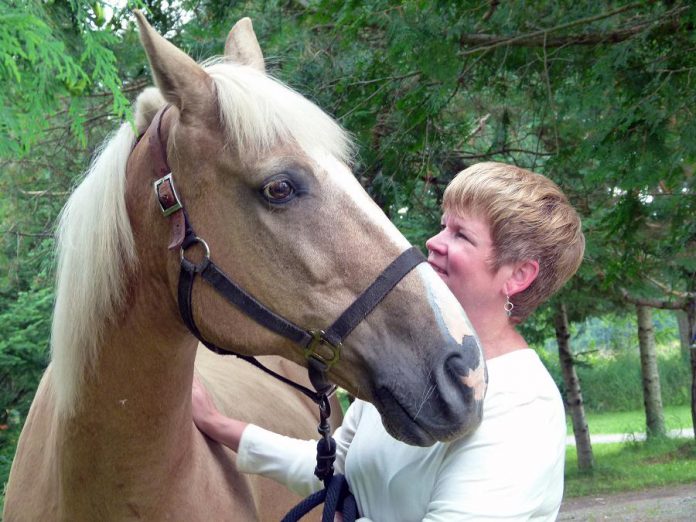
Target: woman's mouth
x,y
437,269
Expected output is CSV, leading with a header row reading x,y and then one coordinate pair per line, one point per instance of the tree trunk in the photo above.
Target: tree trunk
x,y
691,324
652,396
573,391
693,386
684,330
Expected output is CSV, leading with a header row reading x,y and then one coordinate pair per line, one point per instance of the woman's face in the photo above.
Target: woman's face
x,y
461,254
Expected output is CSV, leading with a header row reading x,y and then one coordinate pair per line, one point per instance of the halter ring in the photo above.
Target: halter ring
x,y
206,258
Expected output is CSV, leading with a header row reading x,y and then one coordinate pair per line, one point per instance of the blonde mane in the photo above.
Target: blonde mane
x,y
95,245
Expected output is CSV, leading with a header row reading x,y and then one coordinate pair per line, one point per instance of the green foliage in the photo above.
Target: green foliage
x,y
8,442
429,88
41,71
24,338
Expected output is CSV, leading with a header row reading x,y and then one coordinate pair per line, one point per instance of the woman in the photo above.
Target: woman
x,y
509,240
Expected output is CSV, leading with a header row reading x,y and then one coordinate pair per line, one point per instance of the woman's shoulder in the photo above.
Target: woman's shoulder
x,y
519,376
516,364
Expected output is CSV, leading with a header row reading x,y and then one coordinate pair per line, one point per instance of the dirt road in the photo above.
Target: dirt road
x,y
668,504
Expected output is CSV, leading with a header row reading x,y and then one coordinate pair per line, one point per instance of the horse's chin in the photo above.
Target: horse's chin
x,y
413,435
403,426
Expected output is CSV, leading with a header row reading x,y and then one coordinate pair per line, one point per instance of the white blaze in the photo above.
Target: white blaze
x,y
449,312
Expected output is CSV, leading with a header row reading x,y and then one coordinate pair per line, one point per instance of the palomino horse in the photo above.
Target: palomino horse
x,y
262,174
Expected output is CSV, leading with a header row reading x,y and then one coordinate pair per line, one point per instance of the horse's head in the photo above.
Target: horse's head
x,y
263,175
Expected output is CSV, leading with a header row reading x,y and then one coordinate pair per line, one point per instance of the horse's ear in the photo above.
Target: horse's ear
x,y
243,47
181,80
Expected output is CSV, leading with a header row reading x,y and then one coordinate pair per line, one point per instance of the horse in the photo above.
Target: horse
x,y
265,180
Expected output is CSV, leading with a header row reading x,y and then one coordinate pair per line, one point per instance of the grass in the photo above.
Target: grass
x,y
631,466
633,421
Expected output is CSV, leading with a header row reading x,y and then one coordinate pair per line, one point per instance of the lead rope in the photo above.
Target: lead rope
x,y
336,495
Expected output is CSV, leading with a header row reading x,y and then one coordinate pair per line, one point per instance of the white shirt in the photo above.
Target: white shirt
x,y
510,468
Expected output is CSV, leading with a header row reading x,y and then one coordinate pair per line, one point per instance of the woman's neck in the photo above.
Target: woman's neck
x,y
498,337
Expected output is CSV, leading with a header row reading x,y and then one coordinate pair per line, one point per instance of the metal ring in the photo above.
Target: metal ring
x,y
193,242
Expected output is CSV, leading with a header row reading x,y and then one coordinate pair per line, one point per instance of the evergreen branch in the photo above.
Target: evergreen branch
x,y
671,291
541,38
135,85
40,193
27,234
653,303
491,9
506,150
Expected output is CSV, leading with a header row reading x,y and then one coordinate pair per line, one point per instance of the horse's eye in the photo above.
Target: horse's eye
x,y
278,190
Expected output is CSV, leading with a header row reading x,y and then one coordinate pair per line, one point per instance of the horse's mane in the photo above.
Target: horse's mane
x,y
95,245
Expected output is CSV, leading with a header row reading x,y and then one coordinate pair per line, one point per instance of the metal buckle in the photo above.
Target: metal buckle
x,y
167,196
319,339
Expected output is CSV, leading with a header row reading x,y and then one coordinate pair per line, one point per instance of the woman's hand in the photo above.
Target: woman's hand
x,y
210,421
203,408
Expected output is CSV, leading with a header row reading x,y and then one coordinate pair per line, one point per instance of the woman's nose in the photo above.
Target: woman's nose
x,y
436,244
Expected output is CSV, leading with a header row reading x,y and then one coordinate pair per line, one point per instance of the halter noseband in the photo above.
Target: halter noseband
x,y
322,348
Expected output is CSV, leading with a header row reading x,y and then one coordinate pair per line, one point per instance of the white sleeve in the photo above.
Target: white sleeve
x,y
292,461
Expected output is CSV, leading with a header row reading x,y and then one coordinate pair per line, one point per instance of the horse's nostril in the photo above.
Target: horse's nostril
x,y
466,371
456,367
466,359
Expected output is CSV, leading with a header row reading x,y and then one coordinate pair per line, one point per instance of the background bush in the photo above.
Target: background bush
x,y
608,362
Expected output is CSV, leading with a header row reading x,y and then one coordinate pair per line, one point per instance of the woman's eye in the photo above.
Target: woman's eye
x,y
278,191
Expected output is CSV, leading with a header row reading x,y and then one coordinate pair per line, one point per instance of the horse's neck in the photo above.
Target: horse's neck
x,y
132,428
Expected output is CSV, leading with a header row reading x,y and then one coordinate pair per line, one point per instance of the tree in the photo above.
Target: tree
x,y
573,391
51,53
652,396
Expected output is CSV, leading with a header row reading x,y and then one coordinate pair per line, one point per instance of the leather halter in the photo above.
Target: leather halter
x,y
321,348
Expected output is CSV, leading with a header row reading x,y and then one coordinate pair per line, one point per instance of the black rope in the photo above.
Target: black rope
x,y
336,497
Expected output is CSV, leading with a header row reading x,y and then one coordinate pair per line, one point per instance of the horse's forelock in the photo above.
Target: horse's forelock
x,y
258,112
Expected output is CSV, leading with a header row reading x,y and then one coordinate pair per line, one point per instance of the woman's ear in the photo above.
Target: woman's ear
x,y
523,275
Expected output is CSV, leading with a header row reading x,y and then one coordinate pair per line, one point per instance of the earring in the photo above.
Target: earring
x,y
508,306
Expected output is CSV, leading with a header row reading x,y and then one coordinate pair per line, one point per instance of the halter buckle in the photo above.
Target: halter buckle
x,y
318,340
167,197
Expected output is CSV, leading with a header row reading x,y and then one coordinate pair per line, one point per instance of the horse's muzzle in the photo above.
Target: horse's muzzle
x,y
450,405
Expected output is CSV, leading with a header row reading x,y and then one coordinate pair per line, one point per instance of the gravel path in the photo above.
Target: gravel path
x,y
667,504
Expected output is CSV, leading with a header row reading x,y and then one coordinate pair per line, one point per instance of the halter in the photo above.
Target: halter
x,y
321,348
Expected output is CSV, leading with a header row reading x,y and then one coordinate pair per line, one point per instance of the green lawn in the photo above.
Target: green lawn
x,y
633,421
632,465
